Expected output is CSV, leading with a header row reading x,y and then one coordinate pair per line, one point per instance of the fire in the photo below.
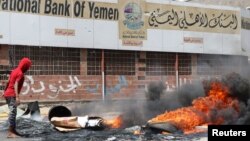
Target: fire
x,y
137,132
203,110
114,123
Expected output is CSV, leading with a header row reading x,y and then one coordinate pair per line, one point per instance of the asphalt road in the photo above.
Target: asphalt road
x,y
37,131
3,135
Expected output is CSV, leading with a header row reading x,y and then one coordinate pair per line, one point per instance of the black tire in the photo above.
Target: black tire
x,y
59,111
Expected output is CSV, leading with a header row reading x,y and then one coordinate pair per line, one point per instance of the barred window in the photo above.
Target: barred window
x,y
116,62
160,63
4,76
4,67
217,64
185,64
94,58
48,60
164,63
120,62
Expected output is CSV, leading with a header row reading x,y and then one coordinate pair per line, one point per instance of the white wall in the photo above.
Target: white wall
x,y
5,28
39,30
245,35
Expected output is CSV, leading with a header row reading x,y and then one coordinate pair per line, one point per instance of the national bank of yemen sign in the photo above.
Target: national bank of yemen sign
x,y
134,16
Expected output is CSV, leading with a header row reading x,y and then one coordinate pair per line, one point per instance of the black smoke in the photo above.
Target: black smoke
x,y
137,111
238,86
187,93
155,90
244,118
239,89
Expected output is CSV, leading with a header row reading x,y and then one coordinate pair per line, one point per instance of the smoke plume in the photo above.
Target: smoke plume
x,y
157,101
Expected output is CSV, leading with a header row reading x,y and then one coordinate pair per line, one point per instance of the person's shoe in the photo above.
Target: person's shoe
x,y
12,133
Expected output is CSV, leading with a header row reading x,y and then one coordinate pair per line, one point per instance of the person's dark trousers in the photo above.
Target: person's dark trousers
x,y
12,133
11,101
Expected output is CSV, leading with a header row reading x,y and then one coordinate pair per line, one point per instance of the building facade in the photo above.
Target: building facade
x,y
93,50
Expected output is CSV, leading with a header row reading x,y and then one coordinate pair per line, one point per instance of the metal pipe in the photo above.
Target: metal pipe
x,y
103,77
176,70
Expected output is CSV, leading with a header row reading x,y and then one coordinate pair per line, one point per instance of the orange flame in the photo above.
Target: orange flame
x,y
114,123
188,118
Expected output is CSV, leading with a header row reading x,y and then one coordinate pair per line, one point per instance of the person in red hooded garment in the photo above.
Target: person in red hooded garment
x,y
12,91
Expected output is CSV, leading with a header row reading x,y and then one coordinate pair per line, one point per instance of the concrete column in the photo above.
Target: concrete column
x,y
4,55
194,65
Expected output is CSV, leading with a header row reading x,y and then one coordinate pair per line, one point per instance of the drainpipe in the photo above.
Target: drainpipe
x,y
103,77
176,70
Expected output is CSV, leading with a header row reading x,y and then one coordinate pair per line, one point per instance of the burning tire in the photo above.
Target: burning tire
x,y
164,126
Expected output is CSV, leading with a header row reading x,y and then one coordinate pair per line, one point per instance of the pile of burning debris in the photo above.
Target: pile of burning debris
x,y
181,115
224,101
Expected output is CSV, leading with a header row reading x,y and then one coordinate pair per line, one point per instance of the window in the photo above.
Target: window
x,y
185,64
94,58
116,62
48,60
160,63
164,63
